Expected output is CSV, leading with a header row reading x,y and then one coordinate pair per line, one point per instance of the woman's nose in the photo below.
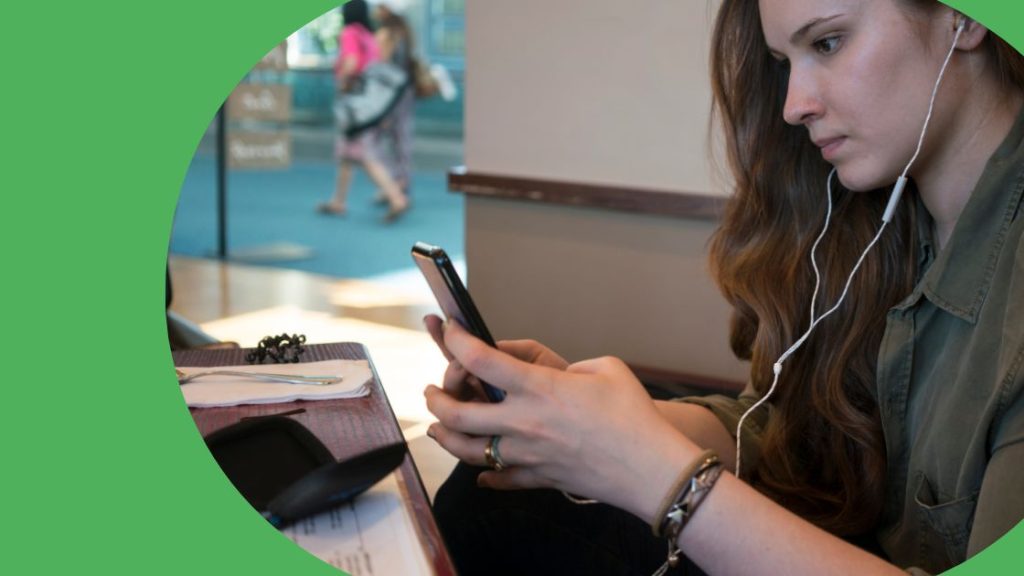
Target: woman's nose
x,y
803,101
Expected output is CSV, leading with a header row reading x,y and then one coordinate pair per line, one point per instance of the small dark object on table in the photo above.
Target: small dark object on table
x,y
281,349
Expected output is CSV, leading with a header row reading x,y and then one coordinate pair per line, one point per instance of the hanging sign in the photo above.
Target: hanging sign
x,y
270,102
259,149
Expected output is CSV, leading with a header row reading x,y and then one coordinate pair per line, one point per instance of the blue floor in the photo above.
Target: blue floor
x,y
274,207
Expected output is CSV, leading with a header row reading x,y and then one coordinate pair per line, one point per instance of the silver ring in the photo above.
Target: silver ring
x,y
492,456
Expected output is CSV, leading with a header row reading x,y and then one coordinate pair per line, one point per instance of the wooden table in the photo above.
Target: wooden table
x,y
347,427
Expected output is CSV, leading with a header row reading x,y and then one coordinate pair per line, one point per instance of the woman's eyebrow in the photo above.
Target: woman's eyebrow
x,y
803,30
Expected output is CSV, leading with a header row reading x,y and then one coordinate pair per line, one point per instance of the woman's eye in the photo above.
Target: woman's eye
x,y
827,45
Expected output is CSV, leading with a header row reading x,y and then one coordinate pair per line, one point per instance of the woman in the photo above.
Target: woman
x,y
396,45
894,438
357,49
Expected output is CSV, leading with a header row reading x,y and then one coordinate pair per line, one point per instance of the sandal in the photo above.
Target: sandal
x,y
328,208
394,214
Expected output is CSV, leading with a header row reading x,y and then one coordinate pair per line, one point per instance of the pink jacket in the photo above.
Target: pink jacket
x,y
356,40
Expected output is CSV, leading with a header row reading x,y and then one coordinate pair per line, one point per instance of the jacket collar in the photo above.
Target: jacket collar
x,y
960,276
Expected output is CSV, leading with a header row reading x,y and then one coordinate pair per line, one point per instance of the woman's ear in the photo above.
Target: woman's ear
x,y
973,33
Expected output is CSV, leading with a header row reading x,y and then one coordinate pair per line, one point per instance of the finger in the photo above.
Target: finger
x,y
454,377
460,383
469,449
597,365
525,350
473,418
475,390
533,352
435,326
489,364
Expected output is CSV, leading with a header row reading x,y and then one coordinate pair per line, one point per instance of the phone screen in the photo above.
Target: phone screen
x,y
454,299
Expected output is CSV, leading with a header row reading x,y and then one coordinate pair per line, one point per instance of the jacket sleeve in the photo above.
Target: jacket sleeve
x,y
729,410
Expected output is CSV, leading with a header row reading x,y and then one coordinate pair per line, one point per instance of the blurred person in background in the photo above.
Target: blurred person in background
x,y
357,49
395,39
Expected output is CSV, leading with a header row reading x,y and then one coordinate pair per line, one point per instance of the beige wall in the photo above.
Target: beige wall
x,y
590,91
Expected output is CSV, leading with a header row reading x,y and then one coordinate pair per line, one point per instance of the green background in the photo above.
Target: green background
x,y
103,107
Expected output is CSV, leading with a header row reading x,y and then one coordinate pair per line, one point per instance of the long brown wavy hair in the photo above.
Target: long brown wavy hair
x,y
823,454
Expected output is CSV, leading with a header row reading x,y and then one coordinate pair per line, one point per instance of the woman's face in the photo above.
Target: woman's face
x,y
861,73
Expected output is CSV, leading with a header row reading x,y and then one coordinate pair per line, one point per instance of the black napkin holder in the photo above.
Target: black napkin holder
x,y
286,473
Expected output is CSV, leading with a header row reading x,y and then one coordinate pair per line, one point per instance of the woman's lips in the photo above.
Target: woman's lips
x,y
830,146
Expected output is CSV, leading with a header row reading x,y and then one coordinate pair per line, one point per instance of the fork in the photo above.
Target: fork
x,y
184,378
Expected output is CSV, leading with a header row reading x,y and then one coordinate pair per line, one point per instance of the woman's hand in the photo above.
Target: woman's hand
x,y
462,385
590,428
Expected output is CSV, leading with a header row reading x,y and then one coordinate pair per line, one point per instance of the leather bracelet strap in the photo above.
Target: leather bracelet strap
x,y
682,510
679,514
675,493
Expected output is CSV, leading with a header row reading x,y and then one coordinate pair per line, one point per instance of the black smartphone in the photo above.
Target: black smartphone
x,y
454,299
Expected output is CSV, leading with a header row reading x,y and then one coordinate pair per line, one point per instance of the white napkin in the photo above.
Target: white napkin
x,y
218,390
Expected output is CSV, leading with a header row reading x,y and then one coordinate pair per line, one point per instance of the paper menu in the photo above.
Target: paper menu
x,y
373,535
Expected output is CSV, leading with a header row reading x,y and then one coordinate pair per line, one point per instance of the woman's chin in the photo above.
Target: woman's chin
x,y
856,181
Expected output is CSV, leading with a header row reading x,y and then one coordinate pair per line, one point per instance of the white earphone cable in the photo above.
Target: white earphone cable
x,y
814,247
931,101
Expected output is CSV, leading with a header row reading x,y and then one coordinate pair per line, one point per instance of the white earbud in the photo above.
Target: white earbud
x,y
890,209
961,21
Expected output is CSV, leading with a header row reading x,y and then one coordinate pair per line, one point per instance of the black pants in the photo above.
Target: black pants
x,y
528,532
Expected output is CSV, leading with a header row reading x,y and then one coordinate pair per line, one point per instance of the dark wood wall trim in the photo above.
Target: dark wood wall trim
x,y
684,384
645,201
